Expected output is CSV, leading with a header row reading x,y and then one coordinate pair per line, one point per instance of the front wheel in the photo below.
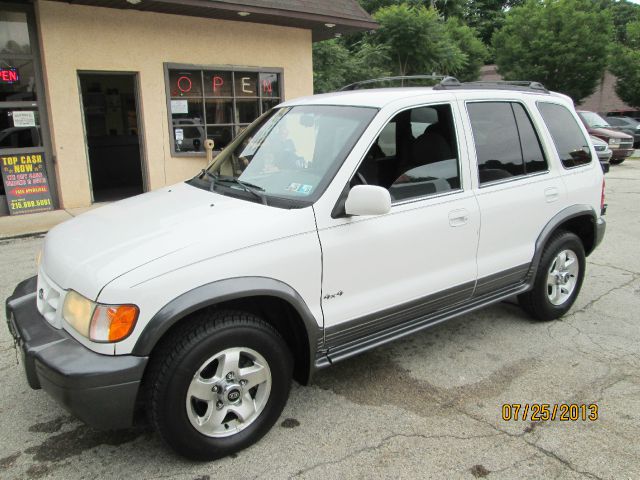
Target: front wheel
x,y
616,161
558,279
219,385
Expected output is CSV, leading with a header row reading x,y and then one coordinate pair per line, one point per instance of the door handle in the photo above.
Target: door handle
x,y
458,218
551,194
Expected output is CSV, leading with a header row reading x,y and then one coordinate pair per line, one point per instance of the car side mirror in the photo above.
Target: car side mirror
x,y
368,200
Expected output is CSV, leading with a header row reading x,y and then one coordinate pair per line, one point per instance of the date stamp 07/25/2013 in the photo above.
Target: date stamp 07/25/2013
x,y
543,412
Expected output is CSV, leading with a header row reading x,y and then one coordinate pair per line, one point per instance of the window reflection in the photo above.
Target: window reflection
x,y
217,103
19,128
14,33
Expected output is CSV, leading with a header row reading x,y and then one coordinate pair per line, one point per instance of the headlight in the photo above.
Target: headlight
x,y
614,141
98,322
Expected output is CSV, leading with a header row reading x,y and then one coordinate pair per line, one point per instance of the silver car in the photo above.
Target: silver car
x,y
603,151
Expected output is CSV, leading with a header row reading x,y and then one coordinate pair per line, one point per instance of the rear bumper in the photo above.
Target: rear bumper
x,y
100,390
601,227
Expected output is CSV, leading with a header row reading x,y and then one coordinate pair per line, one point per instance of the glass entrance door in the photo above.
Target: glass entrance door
x,y
27,176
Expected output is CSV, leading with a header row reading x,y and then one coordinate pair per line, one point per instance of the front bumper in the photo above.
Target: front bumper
x,y
620,153
100,390
604,155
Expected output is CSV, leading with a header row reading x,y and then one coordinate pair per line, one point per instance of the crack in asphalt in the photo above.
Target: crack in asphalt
x,y
563,461
590,303
383,442
598,384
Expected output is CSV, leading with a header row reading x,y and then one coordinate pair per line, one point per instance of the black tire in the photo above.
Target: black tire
x,y
536,301
616,161
179,358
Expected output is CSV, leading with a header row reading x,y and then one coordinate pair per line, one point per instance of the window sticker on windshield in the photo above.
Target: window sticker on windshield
x,y
299,188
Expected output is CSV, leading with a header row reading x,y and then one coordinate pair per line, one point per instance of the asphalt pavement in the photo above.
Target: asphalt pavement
x,y
429,406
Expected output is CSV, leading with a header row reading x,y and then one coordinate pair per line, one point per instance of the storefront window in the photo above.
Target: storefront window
x,y
24,183
17,80
14,33
19,128
216,103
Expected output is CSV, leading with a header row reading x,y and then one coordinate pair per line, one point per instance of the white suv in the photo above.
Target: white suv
x,y
333,224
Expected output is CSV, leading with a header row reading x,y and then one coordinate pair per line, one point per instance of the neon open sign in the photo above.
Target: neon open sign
x,y
9,75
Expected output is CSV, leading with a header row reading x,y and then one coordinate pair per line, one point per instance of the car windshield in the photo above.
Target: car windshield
x,y
630,122
289,153
594,120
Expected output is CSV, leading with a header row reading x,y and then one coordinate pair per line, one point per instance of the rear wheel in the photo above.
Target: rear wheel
x,y
558,279
219,384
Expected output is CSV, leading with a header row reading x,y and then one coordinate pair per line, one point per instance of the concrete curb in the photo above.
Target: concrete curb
x,y
34,224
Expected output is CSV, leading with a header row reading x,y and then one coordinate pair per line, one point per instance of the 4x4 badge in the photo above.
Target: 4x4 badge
x,y
332,296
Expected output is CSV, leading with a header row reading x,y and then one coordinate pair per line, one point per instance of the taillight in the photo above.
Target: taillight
x,y
603,206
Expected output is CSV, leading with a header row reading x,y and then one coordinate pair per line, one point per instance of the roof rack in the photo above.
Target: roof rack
x,y
444,80
523,86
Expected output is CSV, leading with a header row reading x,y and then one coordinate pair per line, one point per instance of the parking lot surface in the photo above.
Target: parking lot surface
x,y
429,406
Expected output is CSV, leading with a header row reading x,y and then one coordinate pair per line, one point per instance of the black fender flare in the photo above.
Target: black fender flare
x,y
221,291
558,219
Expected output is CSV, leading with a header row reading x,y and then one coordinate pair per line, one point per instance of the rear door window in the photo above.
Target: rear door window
x,y
534,160
571,144
507,145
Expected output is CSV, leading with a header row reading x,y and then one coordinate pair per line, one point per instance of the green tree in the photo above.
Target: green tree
x,y
561,43
467,40
335,65
625,65
622,13
448,8
487,16
416,41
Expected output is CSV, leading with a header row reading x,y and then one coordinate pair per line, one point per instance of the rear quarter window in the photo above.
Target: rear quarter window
x,y
571,144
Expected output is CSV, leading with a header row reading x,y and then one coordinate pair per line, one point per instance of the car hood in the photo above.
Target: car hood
x,y
89,251
608,132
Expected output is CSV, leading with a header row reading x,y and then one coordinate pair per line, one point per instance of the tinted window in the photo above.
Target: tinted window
x,y
571,144
415,155
534,160
507,144
497,142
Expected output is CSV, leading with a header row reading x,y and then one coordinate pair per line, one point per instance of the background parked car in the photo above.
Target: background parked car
x,y
625,113
603,151
628,125
620,143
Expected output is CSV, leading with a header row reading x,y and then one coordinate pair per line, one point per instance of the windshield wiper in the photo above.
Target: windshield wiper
x,y
255,190
208,174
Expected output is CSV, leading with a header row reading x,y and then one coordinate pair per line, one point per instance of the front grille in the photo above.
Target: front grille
x,y
49,298
626,144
